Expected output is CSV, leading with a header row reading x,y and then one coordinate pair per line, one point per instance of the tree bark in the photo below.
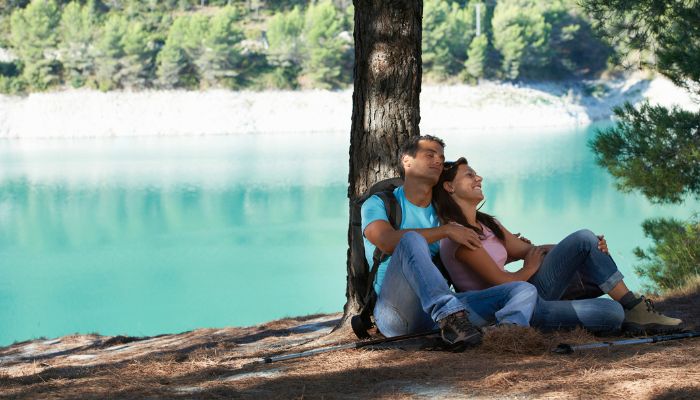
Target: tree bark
x,y
386,112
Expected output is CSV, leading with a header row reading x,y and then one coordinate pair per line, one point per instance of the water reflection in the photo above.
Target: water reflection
x,y
48,217
209,162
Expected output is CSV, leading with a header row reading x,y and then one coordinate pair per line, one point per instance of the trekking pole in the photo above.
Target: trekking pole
x,y
564,348
355,345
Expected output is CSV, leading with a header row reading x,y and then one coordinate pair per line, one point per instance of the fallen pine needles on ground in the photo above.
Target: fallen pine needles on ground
x,y
217,363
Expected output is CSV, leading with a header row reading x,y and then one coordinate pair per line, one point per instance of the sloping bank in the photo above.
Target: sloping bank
x,y
224,363
87,113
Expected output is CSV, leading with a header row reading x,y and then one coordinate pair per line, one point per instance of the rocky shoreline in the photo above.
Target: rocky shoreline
x,y
490,105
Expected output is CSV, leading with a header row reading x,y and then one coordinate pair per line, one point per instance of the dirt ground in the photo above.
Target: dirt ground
x,y
227,363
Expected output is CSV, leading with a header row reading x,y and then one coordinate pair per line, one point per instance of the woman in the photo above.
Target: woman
x,y
579,267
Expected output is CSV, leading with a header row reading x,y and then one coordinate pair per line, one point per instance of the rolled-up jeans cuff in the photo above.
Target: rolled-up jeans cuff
x,y
475,318
609,284
449,310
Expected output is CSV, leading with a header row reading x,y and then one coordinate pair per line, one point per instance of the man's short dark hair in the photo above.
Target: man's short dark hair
x,y
410,148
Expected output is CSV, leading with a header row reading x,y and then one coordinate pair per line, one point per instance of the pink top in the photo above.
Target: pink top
x,y
462,276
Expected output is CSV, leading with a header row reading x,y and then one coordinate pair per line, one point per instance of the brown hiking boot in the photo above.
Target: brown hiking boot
x,y
644,319
458,332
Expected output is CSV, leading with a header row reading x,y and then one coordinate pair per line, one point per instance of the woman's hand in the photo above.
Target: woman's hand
x,y
463,235
546,247
510,258
602,244
534,258
523,238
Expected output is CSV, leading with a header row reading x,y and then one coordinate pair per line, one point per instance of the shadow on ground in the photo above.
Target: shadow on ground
x,y
222,364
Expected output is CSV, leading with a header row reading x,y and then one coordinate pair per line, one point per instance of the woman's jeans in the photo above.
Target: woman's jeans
x,y
414,295
576,269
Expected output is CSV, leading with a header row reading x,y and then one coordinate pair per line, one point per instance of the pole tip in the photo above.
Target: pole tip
x,y
563,348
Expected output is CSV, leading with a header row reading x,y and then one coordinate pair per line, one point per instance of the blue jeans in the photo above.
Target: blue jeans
x,y
414,295
576,268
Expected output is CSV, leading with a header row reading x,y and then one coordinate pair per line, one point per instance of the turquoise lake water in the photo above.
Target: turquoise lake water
x,y
143,236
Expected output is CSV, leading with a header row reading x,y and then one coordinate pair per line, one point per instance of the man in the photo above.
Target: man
x,y
412,294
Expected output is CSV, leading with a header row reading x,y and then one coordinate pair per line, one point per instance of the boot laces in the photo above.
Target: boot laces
x,y
462,324
650,305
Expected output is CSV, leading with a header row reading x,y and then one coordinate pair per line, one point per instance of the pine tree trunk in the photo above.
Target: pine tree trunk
x,y
385,113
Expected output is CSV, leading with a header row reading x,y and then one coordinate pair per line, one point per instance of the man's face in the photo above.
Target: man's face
x,y
428,162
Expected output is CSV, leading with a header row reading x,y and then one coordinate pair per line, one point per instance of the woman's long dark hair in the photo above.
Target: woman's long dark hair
x,y
447,208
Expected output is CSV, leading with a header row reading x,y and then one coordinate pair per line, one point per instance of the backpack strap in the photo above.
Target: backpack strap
x,y
392,207
393,212
362,322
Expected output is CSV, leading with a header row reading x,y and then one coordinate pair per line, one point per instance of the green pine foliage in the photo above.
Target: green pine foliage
x,y
7,7
76,33
12,84
203,52
176,67
445,43
668,30
521,36
654,149
34,38
109,50
220,58
574,48
286,48
195,44
124,56
325,48
477,58
675,256
138,62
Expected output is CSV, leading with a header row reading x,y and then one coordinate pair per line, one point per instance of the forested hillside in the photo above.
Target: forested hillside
x,y
289,44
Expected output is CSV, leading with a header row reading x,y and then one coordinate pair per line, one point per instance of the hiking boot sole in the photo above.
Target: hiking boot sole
x,y
473,339
460,346
632,329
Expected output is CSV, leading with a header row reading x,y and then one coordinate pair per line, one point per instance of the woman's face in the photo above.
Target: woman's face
x,y
466,185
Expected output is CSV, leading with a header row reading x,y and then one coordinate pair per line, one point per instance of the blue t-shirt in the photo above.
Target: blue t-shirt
x,y
413,217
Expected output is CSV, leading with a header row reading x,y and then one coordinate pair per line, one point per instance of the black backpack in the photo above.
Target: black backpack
x,y
362,322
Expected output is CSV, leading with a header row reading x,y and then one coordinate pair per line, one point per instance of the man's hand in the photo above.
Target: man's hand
x,y
463,235
602,244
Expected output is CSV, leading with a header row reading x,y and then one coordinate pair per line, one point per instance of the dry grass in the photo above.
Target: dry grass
x,y
208,363
691,286
515,340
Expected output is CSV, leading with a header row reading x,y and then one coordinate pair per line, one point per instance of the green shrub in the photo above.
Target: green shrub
x,y
12,85
674,258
